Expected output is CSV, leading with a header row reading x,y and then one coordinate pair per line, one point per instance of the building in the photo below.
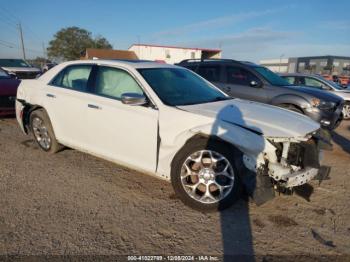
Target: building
x,y
172,54
323,65
276,65
92,53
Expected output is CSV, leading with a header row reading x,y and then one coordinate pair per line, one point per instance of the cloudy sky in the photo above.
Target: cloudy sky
x,y
245,30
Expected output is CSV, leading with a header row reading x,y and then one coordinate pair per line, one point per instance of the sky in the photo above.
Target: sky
x,y
244,30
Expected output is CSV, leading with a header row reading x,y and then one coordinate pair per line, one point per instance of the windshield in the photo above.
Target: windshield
x,y
271,77
13,63
3,74
177,87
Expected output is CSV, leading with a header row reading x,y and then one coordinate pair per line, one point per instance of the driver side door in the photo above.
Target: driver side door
x,y
122,133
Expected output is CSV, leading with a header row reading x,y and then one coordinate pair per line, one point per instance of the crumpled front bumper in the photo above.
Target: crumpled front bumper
x,y
292,161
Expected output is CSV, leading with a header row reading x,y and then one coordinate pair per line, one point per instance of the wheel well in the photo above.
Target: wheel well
x,y
27,111
201,136
286,105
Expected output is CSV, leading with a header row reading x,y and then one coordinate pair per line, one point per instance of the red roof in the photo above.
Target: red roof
x,y
179,47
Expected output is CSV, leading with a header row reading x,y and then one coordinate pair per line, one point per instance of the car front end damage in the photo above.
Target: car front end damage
x,y
287,163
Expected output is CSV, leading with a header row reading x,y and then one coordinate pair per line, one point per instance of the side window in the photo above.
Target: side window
x,y
211,73
113,82
313,82
74,77
290,79
240,76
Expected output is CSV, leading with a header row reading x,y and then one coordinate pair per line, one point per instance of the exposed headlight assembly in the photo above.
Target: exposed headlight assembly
x,y
323,105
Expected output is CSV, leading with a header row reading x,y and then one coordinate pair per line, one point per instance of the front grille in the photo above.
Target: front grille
x,y
7,101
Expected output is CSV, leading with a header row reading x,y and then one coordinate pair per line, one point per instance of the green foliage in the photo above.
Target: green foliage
x,y
69,43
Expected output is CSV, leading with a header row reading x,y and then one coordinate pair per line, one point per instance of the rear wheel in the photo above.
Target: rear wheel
x,y
43,132
204,175
346,111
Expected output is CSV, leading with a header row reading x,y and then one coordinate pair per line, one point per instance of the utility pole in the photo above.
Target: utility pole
x,y
44,51
22,42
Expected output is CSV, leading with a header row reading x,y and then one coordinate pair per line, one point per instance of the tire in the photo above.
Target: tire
x,y
195,147
292,108
346,111
42,131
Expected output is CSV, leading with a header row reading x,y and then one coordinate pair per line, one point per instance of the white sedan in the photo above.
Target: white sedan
x,y
167,121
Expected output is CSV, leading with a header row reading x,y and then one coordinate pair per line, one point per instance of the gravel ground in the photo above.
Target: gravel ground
x,y
73,203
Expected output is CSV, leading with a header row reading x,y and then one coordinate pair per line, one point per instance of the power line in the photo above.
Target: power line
x,y
12,20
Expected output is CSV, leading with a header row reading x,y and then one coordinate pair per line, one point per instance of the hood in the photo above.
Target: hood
x,y
346,91
8,87
21,69
269,120
318,93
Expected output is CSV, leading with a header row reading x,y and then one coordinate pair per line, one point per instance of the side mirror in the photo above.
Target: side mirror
x,y
134,99
254,83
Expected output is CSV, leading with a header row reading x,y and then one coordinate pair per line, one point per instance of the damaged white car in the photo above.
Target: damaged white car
x,y
169,122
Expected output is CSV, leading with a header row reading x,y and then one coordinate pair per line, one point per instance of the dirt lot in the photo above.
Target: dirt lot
x,y
73,203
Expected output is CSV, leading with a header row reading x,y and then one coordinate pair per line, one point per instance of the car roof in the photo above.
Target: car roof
x,y
137,64
216,61
298,74
127,64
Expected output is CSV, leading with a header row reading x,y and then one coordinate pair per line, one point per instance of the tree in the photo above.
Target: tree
x,y
70,42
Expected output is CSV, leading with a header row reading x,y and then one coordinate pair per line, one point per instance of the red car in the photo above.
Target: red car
x,y
8,91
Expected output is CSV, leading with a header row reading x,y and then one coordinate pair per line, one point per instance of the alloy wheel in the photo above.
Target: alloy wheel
x,y
207,176
41,133
346,111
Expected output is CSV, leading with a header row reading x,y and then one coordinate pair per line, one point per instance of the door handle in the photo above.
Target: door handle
x,y
51,95
94,106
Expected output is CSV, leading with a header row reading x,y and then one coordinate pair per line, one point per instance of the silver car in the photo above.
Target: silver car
x,y
319,82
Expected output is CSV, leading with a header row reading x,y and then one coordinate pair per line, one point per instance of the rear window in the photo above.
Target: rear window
x,y
74,77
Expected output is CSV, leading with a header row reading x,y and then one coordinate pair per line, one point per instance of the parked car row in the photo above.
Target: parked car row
x,y
19,68
8,91
318,82
167,121
249,81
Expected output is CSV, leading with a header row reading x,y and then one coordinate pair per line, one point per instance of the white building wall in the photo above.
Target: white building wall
x,y
169,55
276,65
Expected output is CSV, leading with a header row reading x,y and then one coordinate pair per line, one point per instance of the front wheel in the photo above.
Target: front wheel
x,y
204,175
346,111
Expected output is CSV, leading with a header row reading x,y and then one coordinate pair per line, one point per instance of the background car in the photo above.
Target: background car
x,y
318,82
20,68
8,90
167,121
257,83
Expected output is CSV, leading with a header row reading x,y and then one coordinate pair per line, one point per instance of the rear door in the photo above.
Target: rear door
x,y
211,72
123,133
65,101
238,84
